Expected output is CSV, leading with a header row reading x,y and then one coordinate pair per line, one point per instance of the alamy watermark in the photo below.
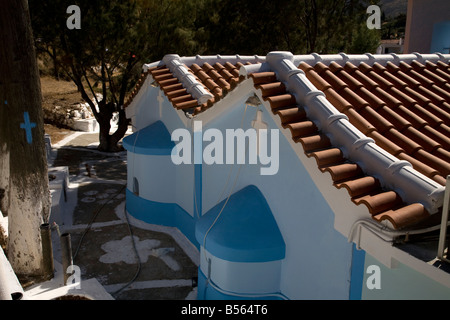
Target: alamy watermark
x,y
374,20
374,280
74,277
74,21
238,143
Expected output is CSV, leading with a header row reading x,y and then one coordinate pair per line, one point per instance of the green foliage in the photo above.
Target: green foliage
x,y
394,27
149,29
364,41
299,26
152,28
118,36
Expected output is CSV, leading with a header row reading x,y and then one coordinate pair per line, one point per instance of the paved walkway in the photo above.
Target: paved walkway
x,y
102,233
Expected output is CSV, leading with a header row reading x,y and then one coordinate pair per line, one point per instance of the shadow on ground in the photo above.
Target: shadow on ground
x,y
101,236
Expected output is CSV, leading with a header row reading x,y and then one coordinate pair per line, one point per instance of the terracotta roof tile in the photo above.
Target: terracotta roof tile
x,y
176,93
282,100
424,141
410,116
263,77
402,141
291,114
328,157
404,216
360,122
366,81
301,129
315,142
338,100
373,75
380,202
356,101
386,143
436,135
361,186
325,72
344,171
442,166
376,119
406,100
271,89
435,70
395,118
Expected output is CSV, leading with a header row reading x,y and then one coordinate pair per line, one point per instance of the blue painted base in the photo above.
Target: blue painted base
x,y
165,214
208,292
246,230
357,273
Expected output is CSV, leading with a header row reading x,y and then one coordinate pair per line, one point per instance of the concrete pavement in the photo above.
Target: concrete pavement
x,y
105,239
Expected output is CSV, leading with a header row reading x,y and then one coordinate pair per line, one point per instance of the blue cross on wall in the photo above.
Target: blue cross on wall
x,y
28,126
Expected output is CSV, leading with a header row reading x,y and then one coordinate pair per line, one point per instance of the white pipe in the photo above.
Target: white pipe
x,y
377,229
10,288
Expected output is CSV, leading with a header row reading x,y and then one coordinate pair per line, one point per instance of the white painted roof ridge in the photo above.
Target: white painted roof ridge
x,y
179,68
370,59
187,79
393,173
212,59
253,68
147,66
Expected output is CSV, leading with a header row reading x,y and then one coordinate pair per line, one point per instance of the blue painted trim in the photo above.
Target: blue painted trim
x,y
152,140
165,214
198,191
246,230
207,292
357,273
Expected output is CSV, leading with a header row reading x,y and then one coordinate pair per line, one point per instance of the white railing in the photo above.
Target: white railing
x,y
444,223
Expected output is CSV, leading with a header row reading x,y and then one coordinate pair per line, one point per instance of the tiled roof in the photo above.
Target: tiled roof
x,y
216,77
404,106
363,189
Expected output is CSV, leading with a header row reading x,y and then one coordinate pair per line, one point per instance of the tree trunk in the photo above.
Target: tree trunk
x,y
104,136
55,64
23,163
109,142
121,129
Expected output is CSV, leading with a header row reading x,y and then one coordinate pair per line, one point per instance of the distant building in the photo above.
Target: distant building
x,y
428,26
391,46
